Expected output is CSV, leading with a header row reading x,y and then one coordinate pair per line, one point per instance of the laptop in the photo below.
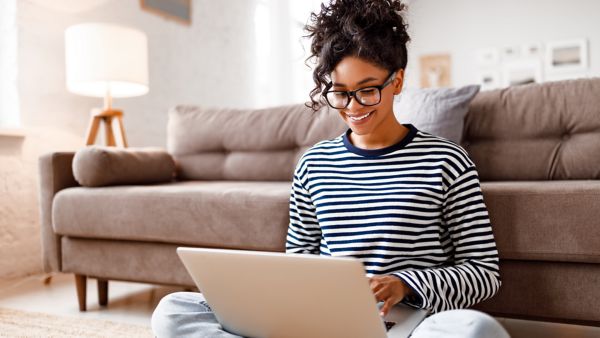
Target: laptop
x,y
266,294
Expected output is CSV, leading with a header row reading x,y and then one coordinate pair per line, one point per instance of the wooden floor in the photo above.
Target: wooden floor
x,y
134,303
127,302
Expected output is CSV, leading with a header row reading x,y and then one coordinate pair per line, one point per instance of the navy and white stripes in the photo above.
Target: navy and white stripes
x,y
414,209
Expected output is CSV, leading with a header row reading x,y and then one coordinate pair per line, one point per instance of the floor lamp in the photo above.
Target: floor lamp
x,y
108,61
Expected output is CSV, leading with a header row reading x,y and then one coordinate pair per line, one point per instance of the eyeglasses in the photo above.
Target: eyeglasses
x,y
368,96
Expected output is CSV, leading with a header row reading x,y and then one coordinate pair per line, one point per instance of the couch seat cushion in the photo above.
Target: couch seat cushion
x,y
545,220
246,215
533,220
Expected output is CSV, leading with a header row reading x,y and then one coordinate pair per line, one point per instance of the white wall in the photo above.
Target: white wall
x,y
461,27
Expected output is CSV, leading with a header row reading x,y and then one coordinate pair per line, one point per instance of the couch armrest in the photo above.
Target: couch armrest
x,y
56,173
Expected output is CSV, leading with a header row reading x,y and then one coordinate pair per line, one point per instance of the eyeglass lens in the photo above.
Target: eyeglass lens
x,y
366,97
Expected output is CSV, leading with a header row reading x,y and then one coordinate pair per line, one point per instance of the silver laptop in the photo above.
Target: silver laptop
x,y
265,294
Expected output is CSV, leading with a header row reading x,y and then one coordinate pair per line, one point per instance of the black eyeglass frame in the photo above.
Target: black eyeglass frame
x,y
352,94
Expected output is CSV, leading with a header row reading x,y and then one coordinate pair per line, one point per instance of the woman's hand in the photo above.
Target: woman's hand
x,y
388,289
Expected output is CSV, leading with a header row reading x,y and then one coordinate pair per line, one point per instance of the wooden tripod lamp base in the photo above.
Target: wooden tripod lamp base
x,y
108,118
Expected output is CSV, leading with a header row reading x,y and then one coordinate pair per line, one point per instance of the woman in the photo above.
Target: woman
x,y
408,204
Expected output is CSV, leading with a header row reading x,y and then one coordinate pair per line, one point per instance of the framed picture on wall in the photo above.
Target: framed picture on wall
x,y
435,70
531,50
489,79
568,56
488,57
522,72
176,10
510,53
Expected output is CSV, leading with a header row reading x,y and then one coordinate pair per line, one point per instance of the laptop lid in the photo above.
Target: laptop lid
x,y
266,294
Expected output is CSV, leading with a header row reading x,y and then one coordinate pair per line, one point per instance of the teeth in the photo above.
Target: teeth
x,y
360,117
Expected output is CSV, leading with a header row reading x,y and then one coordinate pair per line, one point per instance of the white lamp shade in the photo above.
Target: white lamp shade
x,y
103,58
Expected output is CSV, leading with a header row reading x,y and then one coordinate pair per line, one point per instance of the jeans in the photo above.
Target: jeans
x,y
186,314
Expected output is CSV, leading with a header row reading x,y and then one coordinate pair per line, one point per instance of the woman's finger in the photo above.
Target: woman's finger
x,y
382,294
376,286
388,304
386,307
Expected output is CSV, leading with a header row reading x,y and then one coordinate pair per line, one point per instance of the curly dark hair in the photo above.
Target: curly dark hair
x,y
373,30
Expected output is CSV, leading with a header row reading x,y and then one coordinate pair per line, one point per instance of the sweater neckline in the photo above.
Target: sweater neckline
x,y
412,131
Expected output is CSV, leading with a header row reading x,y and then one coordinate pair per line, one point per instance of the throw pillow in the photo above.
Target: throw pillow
x,y
96,166
438,111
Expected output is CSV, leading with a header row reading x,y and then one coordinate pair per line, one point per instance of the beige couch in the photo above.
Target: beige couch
x,y
537,148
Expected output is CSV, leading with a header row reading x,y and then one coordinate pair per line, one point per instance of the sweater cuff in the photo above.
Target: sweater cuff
x,y
416,299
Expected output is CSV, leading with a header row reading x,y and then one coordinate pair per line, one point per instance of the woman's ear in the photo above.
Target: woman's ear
x,y
398,81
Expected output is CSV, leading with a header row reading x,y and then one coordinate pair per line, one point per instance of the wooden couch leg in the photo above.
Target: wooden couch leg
x,y
47,279
81,285
102,292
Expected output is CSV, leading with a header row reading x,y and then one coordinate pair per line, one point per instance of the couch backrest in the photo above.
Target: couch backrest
x,y
548,131
245,144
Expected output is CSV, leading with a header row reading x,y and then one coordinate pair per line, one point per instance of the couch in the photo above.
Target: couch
x,y
537,148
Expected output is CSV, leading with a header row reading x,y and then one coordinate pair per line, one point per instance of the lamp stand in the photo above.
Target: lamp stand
x,y
108,116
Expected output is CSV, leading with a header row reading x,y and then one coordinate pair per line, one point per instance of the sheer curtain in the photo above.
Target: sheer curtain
x,y
9,99
280,73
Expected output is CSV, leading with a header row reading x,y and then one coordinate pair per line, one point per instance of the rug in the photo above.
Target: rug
x,y
16,323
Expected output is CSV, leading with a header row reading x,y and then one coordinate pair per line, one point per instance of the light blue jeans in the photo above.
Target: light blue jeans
x,y
187,314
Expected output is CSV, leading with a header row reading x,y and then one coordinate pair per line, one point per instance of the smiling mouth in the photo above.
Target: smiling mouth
x,y
359,118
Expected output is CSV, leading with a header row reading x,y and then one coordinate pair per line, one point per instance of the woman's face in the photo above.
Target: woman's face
x,y
353,73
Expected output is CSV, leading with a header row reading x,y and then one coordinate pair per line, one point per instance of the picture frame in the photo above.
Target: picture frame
x,y
510,53
488,57
532,50
435,70
489,79
567,56
521,72
176,10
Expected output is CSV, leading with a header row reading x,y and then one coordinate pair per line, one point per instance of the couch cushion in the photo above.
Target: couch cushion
x,y
248,215
550,221
246,144
96,166
548,131
438,111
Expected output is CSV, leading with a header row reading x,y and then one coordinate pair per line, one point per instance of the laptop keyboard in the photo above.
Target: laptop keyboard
x,y
389,325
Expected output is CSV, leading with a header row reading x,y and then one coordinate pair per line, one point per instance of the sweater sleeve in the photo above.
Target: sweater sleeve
x,y
304,233
474,275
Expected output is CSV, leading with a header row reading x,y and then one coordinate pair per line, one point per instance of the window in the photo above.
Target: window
x,y
281,75
263,38
301,73
9,98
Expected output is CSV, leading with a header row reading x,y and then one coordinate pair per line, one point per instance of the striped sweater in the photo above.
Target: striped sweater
x,y
413,209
